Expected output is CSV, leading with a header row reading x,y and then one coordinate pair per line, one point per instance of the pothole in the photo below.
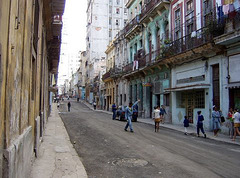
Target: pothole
x,y
130,162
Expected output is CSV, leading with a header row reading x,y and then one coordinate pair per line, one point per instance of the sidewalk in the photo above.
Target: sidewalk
x,y
180,128
57,157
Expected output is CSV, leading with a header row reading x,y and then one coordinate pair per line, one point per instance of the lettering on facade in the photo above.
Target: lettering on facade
x,y
191,79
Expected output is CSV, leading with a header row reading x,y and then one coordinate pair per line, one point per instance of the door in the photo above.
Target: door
x,y
215,82
151,95
189,106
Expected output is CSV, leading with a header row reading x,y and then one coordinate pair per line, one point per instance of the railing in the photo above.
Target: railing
x,y
106,75
148,7
131,24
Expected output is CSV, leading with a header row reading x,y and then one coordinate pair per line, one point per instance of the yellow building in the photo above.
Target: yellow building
x,y
30,41
110,85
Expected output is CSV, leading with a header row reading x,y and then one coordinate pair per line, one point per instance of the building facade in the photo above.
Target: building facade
x,y
105,18
29,46
180,54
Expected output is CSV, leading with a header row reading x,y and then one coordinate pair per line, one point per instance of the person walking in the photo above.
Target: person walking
x,y
200,124
114,109
128,115
69,106
216,121
162,112
230,123
156,117
186,124
236,124
94,105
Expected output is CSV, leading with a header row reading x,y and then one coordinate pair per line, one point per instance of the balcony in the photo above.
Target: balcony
x,y
231,28
132,28
106,76
153,8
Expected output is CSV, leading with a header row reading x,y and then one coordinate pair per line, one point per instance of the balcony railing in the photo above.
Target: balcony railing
x,y
131,24
106,75
146,9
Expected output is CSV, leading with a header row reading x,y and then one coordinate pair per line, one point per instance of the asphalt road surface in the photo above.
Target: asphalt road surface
x,y
106,150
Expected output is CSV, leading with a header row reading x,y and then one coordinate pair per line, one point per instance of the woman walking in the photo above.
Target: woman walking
x,y
156,114
216,121
230,123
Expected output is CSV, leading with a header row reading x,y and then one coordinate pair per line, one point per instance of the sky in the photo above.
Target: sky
x,y
75,12
74,20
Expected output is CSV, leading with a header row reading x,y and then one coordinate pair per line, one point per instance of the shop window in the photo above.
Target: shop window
x,y
199,99
167,99
181,97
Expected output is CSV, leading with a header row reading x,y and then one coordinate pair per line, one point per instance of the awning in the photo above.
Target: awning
x,y
188,87
233,85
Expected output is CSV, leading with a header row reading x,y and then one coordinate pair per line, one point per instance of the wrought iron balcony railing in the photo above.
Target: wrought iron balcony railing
x,y
131,24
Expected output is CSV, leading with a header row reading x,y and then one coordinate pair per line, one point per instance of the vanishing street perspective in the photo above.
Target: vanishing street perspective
x,y
119,88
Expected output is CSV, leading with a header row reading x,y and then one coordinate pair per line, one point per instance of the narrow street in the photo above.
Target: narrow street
x,y
107,150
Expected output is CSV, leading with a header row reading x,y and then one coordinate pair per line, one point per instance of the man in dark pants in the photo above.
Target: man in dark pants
x,y
69,106
114,109
200,124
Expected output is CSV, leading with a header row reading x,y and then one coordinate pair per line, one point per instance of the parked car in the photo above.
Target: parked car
x,y
121,113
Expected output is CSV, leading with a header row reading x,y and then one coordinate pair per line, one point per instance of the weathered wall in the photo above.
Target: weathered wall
x,y
4,14
24,92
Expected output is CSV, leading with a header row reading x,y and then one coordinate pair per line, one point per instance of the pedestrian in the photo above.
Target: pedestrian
x,y
236,124
162,112
200,124
230,123
58,104
69,106
128,115
156,116
114,110
94,105
186,124
216,121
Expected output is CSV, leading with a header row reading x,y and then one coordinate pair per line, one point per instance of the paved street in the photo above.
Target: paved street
x,y
108,151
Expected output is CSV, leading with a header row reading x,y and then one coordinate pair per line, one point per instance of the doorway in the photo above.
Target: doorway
x,y
190,106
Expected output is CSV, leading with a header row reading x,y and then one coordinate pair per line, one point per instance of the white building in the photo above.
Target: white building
x,y
105,18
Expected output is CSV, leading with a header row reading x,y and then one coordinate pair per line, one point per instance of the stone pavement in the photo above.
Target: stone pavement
x,y
57,157
191,130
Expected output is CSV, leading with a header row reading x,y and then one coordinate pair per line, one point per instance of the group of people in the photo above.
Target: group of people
x,y
234,123
200,120
218,119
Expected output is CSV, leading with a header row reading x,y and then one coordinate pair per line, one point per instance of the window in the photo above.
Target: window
x,y
110,21
140,43
189,6
206,12
125,11
167,99
125,22
118,2
125,97
117,22
190,17
117,11
199,99
177,24
110,9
